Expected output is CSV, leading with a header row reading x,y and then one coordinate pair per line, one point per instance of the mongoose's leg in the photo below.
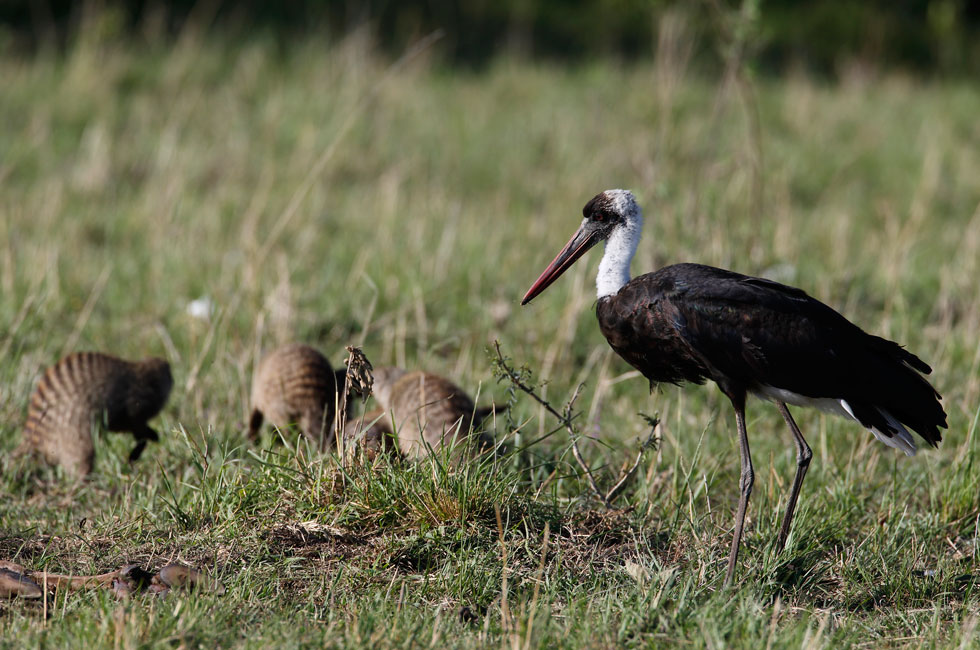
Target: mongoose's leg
x,y
142,434
254,424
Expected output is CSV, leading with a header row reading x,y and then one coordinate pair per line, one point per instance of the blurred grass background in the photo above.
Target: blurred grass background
x,y
928,36
328,190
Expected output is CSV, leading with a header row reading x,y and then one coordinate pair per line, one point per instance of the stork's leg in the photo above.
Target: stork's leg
x,y
745,486
803,456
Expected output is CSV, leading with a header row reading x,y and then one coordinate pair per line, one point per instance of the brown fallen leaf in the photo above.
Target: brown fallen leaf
x,y
181,576
55,581
136,576
17,585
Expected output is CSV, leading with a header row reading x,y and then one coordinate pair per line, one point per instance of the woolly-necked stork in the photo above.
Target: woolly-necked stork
x,y
690,323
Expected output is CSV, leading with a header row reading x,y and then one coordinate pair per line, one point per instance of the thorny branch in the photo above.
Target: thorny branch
x,y
565,418
651,441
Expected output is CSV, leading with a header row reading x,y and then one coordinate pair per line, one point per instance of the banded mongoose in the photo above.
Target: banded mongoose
x,y
427,407
295,384
369,436
89,389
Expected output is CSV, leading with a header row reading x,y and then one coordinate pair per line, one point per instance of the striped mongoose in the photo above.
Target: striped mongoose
x,y
88,389
295,384
427,407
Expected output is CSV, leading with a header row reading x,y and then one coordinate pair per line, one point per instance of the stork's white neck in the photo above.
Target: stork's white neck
x,y
614,269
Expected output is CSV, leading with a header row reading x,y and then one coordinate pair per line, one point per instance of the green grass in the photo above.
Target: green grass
x,y
317,194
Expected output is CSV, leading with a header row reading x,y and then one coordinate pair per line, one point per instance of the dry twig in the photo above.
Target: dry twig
x,y
565,418
360,379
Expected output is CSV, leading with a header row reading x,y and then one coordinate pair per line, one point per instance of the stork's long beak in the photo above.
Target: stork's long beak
x,y
581,241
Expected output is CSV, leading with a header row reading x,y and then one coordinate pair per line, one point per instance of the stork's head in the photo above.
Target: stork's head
x,y
608,214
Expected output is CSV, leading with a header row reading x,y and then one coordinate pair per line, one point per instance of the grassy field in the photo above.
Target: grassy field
x,y
323,195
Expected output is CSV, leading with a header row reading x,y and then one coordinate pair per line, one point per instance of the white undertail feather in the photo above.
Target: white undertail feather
x,y
901,439
614,269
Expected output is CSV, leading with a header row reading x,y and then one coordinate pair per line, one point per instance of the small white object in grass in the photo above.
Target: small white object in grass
x,y
638,572
202,308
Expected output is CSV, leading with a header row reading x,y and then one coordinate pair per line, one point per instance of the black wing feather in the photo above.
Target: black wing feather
x,y
753,332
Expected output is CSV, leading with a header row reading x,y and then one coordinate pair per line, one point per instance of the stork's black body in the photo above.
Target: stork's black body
x,y
691,323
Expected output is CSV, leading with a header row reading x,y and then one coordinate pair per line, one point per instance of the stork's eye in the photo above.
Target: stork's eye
x,y
598,216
